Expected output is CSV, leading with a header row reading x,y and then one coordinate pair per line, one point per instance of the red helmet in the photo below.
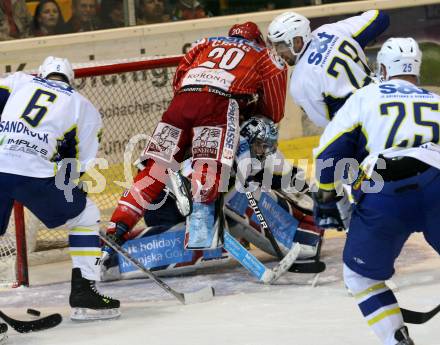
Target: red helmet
x,y
249,31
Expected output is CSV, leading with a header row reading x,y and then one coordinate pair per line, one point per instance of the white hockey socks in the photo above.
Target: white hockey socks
x,y
84,243
377,303
85,251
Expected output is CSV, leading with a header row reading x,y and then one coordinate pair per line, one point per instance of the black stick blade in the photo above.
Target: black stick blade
x,y
308,267
3,328
417,317
47,322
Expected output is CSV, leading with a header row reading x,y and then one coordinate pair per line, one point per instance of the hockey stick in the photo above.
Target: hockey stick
x,y
253,265
3,335
308,267
316,266
313,265
202,295
417,317
263,224
47,322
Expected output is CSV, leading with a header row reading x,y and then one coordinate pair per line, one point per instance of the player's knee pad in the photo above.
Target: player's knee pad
x,y
89,217
356,282
205,180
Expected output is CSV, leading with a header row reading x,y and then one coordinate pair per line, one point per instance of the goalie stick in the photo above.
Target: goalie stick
x,y
202,295
417,317
46,322
263,224
253,265
316,266
310,267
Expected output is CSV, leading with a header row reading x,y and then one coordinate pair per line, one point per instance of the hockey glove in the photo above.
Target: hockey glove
x,y
331,210
118,232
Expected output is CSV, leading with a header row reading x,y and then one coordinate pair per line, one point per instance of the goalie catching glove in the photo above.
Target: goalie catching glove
x,y
331,210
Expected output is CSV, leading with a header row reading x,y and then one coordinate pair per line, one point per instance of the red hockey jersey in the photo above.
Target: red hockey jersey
x,y
238,67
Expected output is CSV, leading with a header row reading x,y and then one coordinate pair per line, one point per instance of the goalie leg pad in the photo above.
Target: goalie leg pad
x,y
309,240
205,225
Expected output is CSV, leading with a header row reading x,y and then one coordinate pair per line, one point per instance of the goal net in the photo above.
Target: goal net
x,y
131,97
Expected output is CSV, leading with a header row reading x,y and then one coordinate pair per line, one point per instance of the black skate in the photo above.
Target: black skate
x,y
3,330
87,303
402,336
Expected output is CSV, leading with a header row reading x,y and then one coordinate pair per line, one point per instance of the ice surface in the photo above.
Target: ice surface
x,y
244,312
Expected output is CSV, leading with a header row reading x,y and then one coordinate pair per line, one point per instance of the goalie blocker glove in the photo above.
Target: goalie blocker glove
x,y
331,210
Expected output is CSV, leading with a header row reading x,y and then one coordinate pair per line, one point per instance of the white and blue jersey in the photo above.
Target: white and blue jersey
x,y
393,118
334,65
43,121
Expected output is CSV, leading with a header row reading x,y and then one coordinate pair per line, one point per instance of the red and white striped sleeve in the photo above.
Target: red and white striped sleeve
x,y
186,63
274,86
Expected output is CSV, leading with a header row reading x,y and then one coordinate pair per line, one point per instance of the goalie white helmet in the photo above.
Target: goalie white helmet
x,y
400,56
262,135
56,65
288,25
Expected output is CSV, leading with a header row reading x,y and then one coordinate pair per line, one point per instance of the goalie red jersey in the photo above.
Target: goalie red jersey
x,y
237,67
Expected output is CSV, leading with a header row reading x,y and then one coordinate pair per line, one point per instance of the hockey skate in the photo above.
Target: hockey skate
x,y
3,335
402,336
87,303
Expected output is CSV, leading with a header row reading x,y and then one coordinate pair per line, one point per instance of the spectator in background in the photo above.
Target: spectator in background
x,y
48,19
269,6
152,12
15,20
84,16
112,14
189,9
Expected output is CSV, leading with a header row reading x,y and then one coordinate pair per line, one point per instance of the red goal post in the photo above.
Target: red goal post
x,y
131,96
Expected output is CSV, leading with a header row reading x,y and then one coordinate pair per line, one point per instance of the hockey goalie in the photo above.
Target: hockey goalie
x,y
281,192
